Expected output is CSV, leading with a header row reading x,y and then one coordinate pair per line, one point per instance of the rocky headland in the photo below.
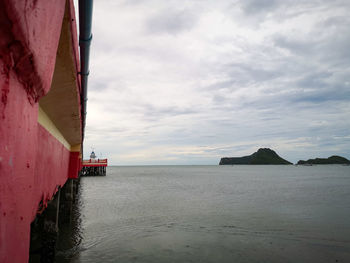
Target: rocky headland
x,y
262,156
330,160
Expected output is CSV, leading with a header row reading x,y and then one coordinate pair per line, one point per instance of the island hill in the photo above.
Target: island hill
x,y
330,160
262,156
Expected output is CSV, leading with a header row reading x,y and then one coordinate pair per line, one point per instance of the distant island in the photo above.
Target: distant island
x,y
330,160
262,156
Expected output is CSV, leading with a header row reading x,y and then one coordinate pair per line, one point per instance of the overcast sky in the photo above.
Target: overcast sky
x,y
189,82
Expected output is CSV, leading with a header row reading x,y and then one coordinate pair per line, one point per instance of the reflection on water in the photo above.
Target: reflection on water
x,y
211,214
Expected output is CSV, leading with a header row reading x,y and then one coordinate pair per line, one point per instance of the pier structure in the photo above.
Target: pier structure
x,y
94,166
43,94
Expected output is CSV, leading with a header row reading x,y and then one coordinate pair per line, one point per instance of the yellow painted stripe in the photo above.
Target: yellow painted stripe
x,y
75,148
46,122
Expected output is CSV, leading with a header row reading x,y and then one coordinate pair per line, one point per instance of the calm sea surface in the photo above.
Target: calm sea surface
x,y
211,214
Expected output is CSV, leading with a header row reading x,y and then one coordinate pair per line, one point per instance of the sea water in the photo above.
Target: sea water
x,y
211,214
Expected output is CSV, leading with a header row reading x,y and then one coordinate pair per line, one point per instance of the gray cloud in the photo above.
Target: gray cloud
x,y
171,21
258,6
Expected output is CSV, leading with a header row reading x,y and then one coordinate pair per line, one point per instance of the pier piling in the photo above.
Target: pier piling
x,y
44,232
45,228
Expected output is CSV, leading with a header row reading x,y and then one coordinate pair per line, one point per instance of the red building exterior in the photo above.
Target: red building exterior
x,y
41,125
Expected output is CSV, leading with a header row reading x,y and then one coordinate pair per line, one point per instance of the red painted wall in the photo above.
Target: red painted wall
x,y
31,35
74,165
18,147
51,168
32,162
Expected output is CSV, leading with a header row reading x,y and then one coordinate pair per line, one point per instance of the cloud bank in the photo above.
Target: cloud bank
x,y
191,82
